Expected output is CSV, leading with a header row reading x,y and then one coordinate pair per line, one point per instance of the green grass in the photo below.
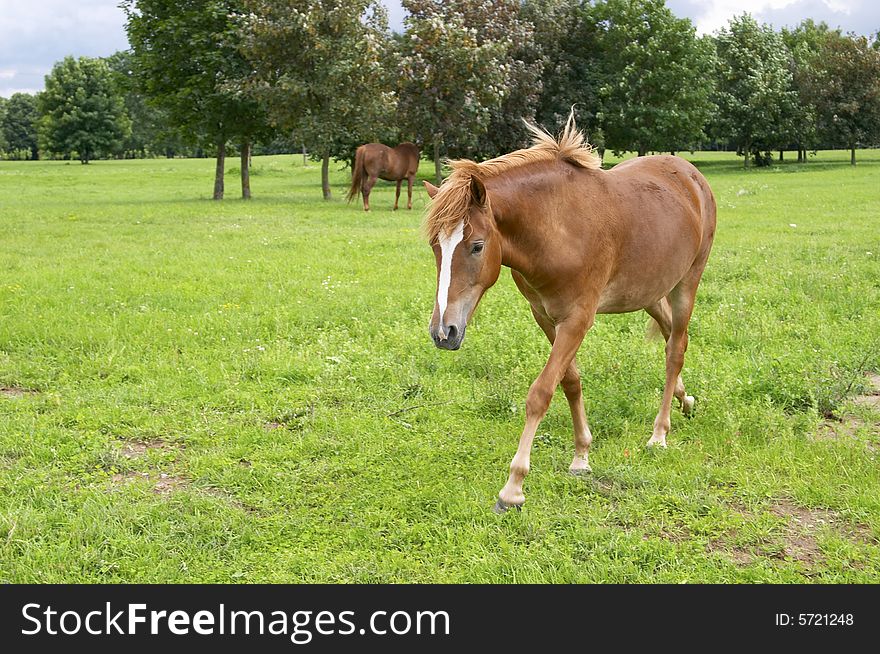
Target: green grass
x,y
300,426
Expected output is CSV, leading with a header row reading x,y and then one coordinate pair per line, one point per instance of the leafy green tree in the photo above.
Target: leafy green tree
x,y
505,22
658,77
81,112
19,126
848,96
566,34
804,42
755,92
451,80
322,68
187,60
151,132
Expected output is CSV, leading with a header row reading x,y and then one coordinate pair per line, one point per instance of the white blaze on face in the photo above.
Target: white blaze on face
x,y
447,247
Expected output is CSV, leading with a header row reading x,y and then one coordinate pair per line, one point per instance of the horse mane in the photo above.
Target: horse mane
x,y
450,205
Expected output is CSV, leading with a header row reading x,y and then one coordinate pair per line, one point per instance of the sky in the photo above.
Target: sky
x,y
34,34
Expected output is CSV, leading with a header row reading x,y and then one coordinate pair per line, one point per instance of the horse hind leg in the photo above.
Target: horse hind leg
x,y
397,194
662,315
409,185
368,186
583,438
681,303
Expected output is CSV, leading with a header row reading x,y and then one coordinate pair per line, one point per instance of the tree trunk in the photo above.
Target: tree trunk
x,y
852,155
325,175
438,166
781,156
747,153
305,156
245,170
672,153
642,152
800,153
218,174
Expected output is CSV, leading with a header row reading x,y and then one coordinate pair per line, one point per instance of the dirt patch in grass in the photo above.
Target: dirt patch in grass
x,y
798,538
138,449
850,426
871,399
16,391
734,553
162,483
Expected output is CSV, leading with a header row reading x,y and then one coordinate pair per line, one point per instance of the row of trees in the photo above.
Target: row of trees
x,y
329,74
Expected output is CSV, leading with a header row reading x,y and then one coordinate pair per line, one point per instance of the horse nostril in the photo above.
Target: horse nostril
x,y
451,332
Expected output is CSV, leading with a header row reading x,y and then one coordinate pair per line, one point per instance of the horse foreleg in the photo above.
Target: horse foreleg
x,y
571,386
569,336
661,313
681,301
409,185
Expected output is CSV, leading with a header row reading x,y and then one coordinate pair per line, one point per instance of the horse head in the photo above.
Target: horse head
x,y
467,250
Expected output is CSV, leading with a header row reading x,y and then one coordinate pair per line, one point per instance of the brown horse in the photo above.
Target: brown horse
x,y
376,161
579,241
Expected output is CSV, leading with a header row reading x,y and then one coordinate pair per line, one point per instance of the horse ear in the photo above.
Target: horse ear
x,y
478,192
430,188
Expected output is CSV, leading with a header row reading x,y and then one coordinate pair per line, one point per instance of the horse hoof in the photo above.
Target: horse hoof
x,y
580,472
687,407
655,443
502,507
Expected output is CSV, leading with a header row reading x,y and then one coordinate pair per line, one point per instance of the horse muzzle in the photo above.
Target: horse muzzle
x,y
448,337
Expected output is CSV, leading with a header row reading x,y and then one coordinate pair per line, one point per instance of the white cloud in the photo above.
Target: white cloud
x,y
36,34
711,15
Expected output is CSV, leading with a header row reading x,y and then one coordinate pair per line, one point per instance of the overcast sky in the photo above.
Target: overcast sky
x,y
34,34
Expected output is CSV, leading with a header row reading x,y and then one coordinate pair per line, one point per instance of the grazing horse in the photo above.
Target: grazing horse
x,y
579,241
376,161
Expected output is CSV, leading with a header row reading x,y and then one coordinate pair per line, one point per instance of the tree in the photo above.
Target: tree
x,y
322,68
81,111
450,79
804,43
150,131
19,126
567,37
848,97
187,60
754,87
505,22
658,77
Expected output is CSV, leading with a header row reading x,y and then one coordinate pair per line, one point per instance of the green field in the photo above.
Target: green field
x,y
195,391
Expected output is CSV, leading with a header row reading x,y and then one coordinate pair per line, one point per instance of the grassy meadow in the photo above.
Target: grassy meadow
x,y
198,391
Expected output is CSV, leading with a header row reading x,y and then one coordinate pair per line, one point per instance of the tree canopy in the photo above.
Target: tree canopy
x,y
755,94
186,56
82,114
19,126
323,69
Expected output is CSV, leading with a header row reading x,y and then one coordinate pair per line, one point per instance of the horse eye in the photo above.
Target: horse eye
x,y
477,247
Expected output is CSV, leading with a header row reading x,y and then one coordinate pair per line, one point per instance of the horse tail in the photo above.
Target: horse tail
x,y
357,174
653,331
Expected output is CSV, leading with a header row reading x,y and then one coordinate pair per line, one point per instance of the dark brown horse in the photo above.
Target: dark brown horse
x,y
376,161
579,241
